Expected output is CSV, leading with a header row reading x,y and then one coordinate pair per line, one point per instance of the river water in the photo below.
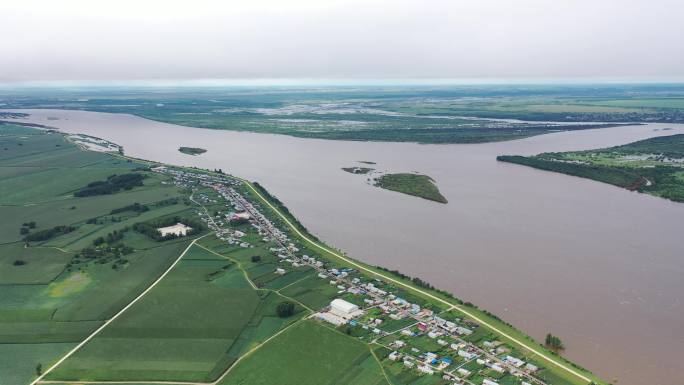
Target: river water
x,y
597,265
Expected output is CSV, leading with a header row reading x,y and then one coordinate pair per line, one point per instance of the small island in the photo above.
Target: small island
x,y
192,150
358,170
418,185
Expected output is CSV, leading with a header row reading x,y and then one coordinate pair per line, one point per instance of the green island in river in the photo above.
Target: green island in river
x,y
115,272
192,150
418,185
653,166
357,170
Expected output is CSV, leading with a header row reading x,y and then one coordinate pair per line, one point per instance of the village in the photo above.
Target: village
x,y
431,341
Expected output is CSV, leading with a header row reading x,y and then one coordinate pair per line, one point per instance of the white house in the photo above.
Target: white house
x,y
344,309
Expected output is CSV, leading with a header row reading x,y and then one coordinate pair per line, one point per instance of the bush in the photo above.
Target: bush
x,y
256,258
19,262
113,184
285,309
44,235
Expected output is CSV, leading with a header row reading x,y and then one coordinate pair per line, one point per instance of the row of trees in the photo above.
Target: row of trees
x,y
44,235
113,184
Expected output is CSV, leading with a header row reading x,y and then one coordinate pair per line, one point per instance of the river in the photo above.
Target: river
x,y
597,265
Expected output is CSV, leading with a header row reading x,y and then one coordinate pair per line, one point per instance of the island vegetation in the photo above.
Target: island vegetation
x,y
654,166
411,184
357,170
192,150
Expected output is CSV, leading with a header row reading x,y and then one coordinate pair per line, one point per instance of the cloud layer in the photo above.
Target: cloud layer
x,y
154,39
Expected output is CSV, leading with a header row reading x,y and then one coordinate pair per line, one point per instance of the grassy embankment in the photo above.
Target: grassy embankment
x,y
421,186
192,150
653,166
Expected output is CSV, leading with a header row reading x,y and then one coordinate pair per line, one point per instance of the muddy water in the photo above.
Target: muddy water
x,y
599,266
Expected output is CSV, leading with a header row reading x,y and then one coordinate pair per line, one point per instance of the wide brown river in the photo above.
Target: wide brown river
x,y
599,266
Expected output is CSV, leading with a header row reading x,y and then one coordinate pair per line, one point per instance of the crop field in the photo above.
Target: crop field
x,y
308,354
312,291
190,327
51,294
653,166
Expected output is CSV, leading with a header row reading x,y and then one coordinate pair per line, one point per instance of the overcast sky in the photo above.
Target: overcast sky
x,y
99,40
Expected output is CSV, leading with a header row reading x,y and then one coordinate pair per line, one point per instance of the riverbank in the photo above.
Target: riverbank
x,y
653,166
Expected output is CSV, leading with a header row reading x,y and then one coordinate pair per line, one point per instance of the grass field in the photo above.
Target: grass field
x,y
188,328
51,297
308,354
421,186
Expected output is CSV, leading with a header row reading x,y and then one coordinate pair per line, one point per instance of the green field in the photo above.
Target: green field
x,y
51,294
188,328
308,354
421,186
653,166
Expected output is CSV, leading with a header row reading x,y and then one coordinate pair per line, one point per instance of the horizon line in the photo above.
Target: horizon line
x,y
294,82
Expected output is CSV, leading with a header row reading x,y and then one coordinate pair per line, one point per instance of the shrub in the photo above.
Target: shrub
x,y
285,309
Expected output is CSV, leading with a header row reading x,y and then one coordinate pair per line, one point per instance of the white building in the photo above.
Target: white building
x,y
178,229
342,307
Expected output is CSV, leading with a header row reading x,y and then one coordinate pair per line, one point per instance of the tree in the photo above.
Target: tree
x,y
554,343
24,231
39,369
256,258
19,262
285,309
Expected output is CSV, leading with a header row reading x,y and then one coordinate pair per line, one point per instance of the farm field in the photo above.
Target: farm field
x,y
190,327
52,293
314,361
653,166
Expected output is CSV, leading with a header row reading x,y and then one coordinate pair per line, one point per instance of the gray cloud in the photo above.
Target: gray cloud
x,y
132,40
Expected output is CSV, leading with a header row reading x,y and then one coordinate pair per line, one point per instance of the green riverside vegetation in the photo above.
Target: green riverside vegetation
x,y
192,150
654,166
421,186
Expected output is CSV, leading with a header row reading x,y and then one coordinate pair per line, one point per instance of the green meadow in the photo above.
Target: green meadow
x,y
52,295
308,354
